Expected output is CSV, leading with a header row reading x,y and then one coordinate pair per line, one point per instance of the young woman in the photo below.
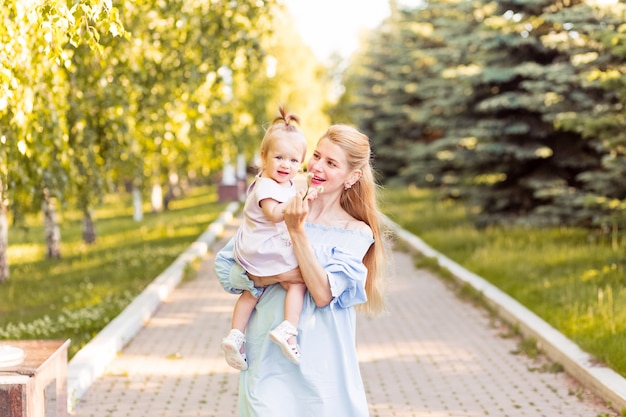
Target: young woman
x,y
338,244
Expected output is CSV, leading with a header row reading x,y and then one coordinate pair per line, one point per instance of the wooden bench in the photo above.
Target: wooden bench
x,y
36,387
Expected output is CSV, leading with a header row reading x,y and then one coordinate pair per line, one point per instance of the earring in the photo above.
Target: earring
x,y
347,186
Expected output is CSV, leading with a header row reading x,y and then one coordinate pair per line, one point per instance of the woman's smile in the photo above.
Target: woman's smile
x,y
315,180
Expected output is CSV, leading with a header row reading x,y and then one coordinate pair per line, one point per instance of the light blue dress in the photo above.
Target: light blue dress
x,y
328,381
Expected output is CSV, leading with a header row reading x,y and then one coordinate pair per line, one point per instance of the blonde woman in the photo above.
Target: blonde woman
x,y
338,245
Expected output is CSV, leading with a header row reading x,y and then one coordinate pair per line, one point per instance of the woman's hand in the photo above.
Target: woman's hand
x,y
314,275
292,277
296,211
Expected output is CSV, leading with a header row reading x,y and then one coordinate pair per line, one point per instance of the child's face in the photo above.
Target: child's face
x,y
283,159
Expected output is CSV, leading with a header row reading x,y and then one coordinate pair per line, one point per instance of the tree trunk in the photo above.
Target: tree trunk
x,y
51,227
137,205
157,198
89,230
173,190
4,242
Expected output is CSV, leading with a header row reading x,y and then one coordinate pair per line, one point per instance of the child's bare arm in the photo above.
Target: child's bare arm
x,y
273,210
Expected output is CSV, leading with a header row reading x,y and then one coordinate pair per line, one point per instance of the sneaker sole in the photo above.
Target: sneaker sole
x,y
285,349
233,357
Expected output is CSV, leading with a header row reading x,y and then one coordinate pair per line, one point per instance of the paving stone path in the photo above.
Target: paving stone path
x,y
432,355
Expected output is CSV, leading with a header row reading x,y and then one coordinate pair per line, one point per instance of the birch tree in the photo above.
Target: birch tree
x,y
33,130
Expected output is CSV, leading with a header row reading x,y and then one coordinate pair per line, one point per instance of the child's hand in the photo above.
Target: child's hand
x,y
313,192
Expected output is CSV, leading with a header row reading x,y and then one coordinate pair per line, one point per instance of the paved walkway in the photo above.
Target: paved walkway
x,y
432,355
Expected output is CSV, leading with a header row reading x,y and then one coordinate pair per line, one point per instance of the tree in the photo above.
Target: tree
x,y
182,63
379,78
520,162
405,85
32,40
596,40
84,109
98,126
500,103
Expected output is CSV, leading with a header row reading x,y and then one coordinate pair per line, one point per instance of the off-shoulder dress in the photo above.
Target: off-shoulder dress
x,y
327,383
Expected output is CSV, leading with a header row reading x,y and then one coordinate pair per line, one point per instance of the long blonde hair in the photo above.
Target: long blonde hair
x,y
361,202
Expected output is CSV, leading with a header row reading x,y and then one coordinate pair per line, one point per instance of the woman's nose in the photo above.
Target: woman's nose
x,y
312,166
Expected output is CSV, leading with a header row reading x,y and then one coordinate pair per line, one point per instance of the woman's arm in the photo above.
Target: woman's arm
x,y
235,279
313,274
291,277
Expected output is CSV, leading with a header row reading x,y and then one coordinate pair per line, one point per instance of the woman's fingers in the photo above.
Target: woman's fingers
x,y
296,210
293,276
295,203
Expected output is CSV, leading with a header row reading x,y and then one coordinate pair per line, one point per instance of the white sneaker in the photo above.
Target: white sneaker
x,y
231,345
280,335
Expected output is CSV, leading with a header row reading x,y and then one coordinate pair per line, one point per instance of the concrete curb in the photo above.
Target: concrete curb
x,y
91,361
604,382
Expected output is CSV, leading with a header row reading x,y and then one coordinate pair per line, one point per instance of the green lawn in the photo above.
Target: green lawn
x,y
76,296
572,278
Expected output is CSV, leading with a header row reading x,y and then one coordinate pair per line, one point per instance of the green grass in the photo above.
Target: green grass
x,y
76,296
572,278
569,277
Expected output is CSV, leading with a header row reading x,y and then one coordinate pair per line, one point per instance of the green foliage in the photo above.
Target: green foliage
x,y
75,297
143,93
516,107
186,72
570,277
33,91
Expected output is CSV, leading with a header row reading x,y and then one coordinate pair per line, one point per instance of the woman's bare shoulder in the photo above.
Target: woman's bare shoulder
x,y
360,226
343,221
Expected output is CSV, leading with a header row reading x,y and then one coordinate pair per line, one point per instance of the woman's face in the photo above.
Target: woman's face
x,y
329,166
